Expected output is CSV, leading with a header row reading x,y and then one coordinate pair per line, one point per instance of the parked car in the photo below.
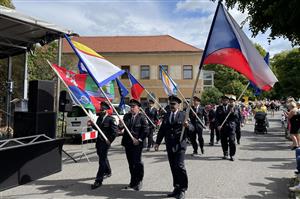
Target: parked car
x,y
77,121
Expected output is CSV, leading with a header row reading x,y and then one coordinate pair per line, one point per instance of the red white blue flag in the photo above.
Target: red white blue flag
x,y
228,45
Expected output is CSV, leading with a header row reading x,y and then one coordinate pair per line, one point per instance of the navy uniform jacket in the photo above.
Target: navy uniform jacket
x,y
139,128
172,132
152,114
221,115
201,113
108,126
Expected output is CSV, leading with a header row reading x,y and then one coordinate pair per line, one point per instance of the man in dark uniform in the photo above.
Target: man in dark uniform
x,y
201,113
227,131
109,127
152,113
171,129
138,126
213,126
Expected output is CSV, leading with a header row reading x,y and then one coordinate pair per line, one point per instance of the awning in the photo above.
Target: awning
x,y
19,32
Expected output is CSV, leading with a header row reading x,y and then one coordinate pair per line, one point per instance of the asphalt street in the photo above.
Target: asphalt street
x,y
263,168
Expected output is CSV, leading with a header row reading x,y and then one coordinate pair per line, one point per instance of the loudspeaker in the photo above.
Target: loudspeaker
x,y
65,102
31,123
41,96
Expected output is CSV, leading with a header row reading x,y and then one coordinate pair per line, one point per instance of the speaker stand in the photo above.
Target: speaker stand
x,y
69,156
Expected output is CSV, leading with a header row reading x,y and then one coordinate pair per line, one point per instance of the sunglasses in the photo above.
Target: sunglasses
x,y
173,103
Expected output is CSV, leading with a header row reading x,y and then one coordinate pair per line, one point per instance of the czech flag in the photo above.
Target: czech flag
x,y
136,88
227,44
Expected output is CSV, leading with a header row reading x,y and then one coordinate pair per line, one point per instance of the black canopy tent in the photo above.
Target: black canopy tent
x,y
18,35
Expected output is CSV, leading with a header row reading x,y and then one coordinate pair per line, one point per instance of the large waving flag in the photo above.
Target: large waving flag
x,y
101,70
227,44
73,80
136,88
123,92
170,87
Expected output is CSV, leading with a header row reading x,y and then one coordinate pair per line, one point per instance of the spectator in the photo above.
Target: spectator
x,y
294,119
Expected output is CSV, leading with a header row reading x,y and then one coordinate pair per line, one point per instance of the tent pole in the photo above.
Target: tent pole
x,y
9,93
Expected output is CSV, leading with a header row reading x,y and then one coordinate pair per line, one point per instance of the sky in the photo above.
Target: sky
x,y
186,20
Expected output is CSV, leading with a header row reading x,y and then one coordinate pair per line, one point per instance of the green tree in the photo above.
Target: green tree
x,y
7,3
286,65
38,68
211,96
280,16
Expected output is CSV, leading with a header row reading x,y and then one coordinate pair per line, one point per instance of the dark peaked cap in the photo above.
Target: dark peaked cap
x,y
134,102
174,98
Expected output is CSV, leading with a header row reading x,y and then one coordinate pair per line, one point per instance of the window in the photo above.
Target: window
x,y
126,68
165,67
145,72
208,78
187,72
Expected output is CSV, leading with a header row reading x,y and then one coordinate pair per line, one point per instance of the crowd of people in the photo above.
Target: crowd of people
x,y
171,124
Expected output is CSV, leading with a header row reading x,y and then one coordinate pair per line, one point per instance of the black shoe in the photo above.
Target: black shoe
x,y
225,157
296,172
180,195
202,151
130,186
238,142
195,153
173,193
139,186
107,175
96,185
294,148
231,158
211,144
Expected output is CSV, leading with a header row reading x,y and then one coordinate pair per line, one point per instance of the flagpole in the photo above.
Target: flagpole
x,y
92,119
199,71
237,100
155,100
148,117
126,128
201,122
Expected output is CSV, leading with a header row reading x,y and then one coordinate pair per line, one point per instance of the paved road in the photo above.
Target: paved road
x,y
263,168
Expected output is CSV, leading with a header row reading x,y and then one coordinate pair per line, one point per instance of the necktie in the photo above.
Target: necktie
x,y
172,118
224,108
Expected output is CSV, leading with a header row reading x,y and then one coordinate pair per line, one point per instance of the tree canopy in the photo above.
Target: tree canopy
x,y
7,3
280,16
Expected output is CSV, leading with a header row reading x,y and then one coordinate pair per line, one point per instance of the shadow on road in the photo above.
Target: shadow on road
x,y
79,187
277,188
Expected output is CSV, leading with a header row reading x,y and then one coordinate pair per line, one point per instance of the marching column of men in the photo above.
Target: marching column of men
x,y
172,125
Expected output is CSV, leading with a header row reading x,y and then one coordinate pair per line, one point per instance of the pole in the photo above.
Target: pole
x,y
155,100
142,110
126,128
201,122
56,105
237,100
9,93
200,68
74,97
25,86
